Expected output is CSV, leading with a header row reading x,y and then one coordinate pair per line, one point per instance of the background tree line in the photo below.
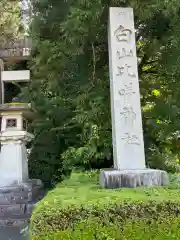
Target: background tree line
x,y
70,84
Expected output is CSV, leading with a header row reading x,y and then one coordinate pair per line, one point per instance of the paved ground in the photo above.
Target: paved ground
x,y
9,233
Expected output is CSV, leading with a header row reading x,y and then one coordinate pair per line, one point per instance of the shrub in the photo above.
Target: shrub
x,y
80,209
136,230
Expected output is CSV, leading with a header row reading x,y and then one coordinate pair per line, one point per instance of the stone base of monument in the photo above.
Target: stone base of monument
x,y
133,178
17,202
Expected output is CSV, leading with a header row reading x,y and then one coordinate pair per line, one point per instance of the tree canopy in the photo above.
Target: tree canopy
x,y
70,83
10,20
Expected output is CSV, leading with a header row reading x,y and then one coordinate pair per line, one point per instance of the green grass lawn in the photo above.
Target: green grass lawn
x,y
84,188
81,200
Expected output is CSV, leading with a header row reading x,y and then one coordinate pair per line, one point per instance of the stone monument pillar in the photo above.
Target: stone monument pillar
x,y
128,144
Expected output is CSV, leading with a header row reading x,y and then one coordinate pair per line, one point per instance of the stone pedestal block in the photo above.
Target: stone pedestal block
x,y
133,178
17,202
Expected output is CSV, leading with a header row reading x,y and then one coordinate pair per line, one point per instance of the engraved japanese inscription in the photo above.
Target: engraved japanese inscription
x,y
127,91
128,115
126,109
124,52
123,34
131,139
125,15
125,69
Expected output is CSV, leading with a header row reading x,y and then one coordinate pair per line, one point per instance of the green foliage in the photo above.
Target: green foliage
x,y
10,24
136,230
11,29
70,211
70,83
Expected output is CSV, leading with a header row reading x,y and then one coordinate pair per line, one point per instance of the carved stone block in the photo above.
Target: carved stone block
x,y
133,178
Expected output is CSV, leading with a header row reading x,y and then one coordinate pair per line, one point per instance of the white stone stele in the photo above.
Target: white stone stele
x,y
128,144
133,178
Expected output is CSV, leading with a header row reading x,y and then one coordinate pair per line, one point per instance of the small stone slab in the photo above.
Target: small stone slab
x,y
18,201
12,198
133,178
13,210
19,194
14,222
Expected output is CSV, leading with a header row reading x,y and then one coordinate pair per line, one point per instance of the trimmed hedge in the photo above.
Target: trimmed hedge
x,y
139,230
68,212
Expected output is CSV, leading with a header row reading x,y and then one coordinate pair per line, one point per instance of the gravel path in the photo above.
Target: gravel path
x,y
10,233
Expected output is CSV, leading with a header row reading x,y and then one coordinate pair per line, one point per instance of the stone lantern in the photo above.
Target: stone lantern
x,y
14,136
18,193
